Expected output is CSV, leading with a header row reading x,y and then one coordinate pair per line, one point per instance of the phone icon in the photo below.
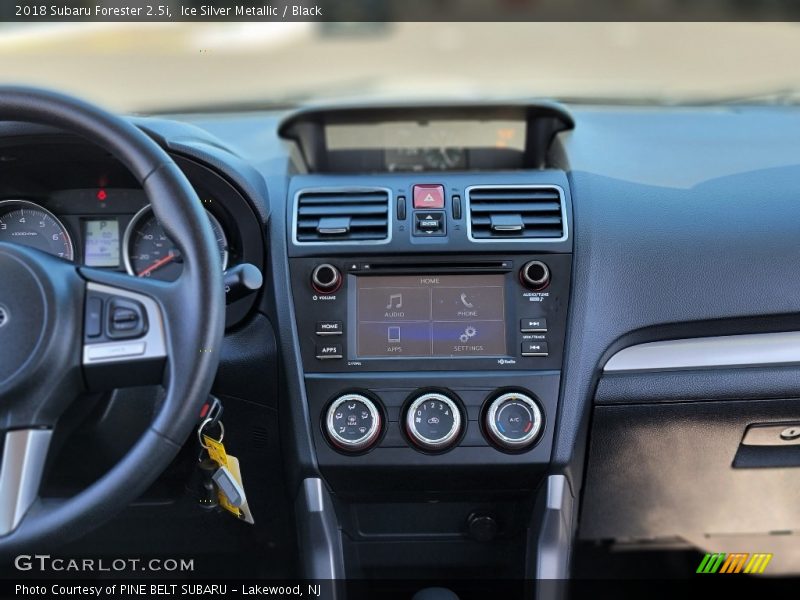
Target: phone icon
x,y
466,302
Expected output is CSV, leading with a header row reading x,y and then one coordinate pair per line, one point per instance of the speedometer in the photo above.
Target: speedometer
x,y
26,223
148,252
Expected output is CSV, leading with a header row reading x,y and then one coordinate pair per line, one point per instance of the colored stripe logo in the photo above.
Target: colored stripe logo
x,y
737,562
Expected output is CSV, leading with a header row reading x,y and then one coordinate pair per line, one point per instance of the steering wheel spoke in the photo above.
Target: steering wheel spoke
x,y
21,469
124,335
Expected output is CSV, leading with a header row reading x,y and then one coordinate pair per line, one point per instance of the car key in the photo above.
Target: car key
x,y
228,485
236,504
202,483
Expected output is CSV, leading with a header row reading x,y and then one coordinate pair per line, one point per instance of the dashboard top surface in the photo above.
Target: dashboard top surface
x,y
664,146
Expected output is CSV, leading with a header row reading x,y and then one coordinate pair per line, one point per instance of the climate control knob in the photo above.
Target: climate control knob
x,y
353,423
433,422
326,278
513,421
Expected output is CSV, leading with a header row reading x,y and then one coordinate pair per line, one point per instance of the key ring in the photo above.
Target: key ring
x,y
203,426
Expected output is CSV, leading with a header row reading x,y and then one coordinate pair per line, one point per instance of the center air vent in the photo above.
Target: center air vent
x,y
341,215
499,213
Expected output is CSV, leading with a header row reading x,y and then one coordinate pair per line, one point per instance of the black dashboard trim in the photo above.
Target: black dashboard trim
x,y
305,126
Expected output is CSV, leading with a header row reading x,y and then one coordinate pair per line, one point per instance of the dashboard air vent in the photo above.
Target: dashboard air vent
x,y
341,215
515,212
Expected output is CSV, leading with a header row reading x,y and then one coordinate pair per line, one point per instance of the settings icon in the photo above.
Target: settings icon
x,y
469,332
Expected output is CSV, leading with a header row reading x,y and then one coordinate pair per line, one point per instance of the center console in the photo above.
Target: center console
x,y
431,371
446,361
430,319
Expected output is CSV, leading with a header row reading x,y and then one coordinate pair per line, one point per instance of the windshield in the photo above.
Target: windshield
x,y
158,67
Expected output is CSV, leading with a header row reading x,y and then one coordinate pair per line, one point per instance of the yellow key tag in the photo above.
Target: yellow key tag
x,y
216,452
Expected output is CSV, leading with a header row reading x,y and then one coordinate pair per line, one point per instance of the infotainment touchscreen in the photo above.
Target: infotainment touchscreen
x,y
442,316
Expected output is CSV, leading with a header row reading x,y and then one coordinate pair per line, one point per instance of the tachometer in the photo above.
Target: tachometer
x,y
26,223
148,252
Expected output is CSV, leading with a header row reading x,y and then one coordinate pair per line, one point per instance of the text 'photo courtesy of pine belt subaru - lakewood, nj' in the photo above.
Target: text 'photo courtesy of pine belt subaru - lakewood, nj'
x,y
383,304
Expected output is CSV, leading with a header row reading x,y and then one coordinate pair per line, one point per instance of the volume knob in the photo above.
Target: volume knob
x,y
326,278
535,275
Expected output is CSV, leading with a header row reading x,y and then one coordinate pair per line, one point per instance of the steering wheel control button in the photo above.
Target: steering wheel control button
x,y
329,328
126,318
535,275
534,349
329,351
533,325
433,422
94,316
428,223
513,421
123,350
353,423
428,196
326,279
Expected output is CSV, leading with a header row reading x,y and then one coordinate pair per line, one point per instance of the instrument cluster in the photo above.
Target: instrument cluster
x,y
105,228
88,210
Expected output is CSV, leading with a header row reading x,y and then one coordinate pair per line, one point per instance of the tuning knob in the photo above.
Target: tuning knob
x,y
535,275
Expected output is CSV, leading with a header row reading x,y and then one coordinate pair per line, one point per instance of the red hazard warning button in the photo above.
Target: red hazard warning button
x,y
428,196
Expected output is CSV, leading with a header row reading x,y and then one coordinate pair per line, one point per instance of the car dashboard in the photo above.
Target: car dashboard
x,y
457,362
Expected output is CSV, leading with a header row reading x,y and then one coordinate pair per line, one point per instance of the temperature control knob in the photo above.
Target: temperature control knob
x,y
353,423
433,422
513,421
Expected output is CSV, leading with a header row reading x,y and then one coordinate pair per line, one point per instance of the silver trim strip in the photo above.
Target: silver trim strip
x,y
98,351
24,455
390,212
772,435
562,201
153,344
318,533
556,532
747,350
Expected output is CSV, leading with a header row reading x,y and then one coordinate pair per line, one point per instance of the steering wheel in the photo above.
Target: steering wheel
x,y
66,329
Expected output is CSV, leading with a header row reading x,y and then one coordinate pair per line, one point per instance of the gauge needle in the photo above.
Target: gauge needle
x,y
158,264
